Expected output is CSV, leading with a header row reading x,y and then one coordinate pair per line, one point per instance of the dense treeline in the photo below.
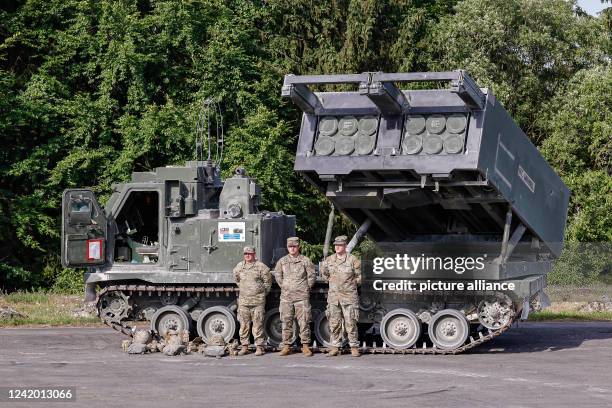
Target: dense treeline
x,y
93,90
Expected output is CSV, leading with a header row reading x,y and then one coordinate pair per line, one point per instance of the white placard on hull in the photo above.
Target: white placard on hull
x,y
231,231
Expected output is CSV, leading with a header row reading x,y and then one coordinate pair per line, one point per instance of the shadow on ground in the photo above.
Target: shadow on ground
x,y
545,336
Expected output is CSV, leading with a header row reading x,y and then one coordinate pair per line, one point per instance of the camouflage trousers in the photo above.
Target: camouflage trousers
x,y
254,315
300,311
347,314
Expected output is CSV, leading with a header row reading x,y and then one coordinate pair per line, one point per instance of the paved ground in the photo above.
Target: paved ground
x,y
533,365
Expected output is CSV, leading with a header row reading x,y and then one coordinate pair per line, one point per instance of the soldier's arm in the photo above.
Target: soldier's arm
x,y
267,278
324,271
357,269
278,273
310,271
237,273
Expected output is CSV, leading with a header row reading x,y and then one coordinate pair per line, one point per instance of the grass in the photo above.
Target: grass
x,y
590,293
45,309
569,315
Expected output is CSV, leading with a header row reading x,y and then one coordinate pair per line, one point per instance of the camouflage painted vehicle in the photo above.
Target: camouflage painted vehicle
x,y
439,172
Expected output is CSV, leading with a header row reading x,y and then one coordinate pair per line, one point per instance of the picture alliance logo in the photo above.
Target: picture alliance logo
x,y
413,264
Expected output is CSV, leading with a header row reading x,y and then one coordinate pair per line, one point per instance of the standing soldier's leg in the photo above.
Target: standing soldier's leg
x,y
287,315
334,318
258,328
351,317
304,317
244,318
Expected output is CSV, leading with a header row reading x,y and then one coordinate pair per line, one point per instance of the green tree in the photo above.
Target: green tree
x,y
525,50
579,145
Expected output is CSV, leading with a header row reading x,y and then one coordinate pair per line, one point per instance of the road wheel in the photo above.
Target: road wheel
x,y
216,320
448,329
170,317
400,328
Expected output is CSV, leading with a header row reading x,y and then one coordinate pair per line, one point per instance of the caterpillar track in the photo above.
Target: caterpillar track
x,y
123,327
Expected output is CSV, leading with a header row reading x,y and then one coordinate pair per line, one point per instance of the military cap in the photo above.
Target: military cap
x,y
293,241
248,250
340,240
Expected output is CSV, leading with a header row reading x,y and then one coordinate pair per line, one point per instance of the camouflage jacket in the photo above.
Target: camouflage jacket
x,y
344,275
254,281
295,275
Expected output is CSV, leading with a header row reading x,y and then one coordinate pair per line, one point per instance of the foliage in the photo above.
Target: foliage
x,y
524,50
93,90
578,122
68,281
582,264
546,315
312,251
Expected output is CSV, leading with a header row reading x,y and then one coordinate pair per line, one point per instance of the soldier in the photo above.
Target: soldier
x,y
254,281
295,275
343,272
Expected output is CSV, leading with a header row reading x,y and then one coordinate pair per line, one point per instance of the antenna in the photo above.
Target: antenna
x,y
208,126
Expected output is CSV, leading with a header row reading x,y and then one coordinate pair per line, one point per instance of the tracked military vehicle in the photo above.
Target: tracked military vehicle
x,y
163,248
433,173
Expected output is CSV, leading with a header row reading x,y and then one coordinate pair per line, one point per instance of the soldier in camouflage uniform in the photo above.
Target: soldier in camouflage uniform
x,y
254,281
295,275
343,272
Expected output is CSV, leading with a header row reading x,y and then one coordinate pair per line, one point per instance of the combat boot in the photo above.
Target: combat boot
x,y
355,352
285,351
260,351
244,351
334,351
306,350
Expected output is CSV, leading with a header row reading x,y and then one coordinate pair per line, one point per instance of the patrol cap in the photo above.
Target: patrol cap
x,y
340,240
248,250
293,241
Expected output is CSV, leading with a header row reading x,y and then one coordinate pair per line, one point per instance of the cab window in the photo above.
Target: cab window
x,y
80,211
137,240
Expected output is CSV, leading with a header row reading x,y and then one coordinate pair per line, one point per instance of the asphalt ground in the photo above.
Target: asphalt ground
x,y
557,364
